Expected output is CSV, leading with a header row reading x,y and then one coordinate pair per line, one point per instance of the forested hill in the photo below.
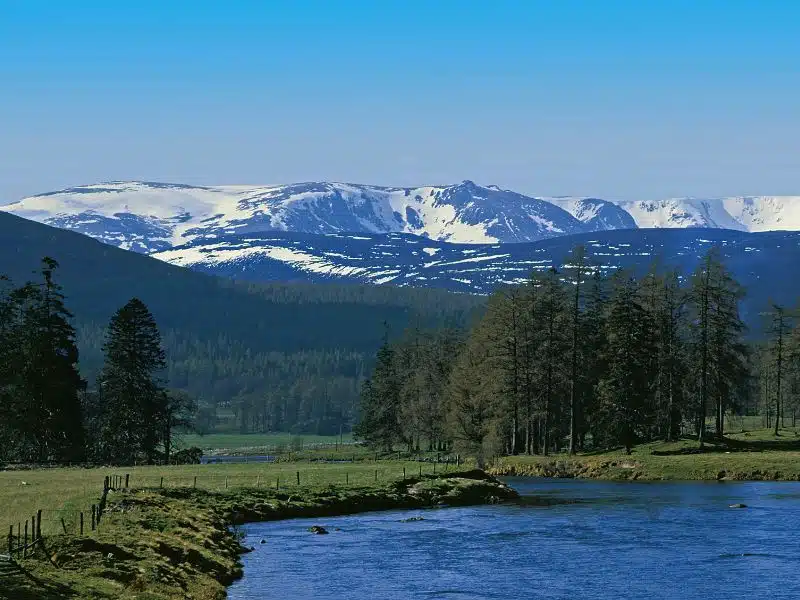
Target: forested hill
x,y
290,356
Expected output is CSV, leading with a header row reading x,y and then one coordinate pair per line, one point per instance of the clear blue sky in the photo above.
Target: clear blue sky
x,y
621,99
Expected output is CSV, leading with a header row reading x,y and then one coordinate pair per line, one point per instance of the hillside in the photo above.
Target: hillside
x,y
305,346
759,260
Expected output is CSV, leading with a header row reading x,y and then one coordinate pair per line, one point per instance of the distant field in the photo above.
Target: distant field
x,y
232,441
64,492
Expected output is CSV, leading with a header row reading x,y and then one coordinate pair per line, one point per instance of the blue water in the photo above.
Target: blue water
x,y
666,541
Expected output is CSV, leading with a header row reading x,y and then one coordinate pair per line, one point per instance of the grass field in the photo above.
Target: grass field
x,y
237,441
64,492
750,455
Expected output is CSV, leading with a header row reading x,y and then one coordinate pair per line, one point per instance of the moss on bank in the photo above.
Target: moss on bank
x,y
179,543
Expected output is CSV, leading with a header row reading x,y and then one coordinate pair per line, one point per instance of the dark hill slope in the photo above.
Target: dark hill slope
x,y
230,340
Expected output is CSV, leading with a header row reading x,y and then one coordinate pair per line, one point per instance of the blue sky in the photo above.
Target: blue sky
x,y
620,99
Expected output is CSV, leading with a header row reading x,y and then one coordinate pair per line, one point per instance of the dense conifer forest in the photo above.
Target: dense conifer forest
x,y
578,360
254,358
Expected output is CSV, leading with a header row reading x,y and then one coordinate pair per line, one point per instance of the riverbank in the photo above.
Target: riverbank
x,y
734,460
182,542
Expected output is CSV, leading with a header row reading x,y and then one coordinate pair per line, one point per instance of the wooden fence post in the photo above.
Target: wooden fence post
x,y
81,523
195,481
10,540
298,478
64,525
434,467
347,478
226,482
161,484
278,482
25,545
404,472
420,469
127,480
258,480
94,513
376,474
39,524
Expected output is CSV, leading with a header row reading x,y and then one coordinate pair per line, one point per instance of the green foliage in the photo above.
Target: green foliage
x,y
572,359
257,358
134,410
39,379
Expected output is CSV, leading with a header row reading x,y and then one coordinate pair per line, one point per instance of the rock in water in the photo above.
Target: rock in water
x,y
412,519
318,529
738,506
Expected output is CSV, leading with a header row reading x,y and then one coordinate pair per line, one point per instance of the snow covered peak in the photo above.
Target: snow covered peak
x,y
150,216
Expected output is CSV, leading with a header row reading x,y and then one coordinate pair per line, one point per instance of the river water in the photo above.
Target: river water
x,y
611,540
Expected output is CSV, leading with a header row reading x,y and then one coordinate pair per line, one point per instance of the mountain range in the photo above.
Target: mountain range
x,y
151,217
463,238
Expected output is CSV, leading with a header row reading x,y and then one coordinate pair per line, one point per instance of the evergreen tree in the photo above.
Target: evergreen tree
x,y
719,351
48,409
379,423
551,372
781,354
472,406
577,270
624,389
134,404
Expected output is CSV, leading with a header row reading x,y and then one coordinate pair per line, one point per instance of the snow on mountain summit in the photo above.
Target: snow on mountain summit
x,y
150,217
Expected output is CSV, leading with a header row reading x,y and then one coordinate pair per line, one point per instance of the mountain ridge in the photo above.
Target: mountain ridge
x,y
150,217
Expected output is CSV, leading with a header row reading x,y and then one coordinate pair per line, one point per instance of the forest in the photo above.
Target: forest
x,y
255,357
578,359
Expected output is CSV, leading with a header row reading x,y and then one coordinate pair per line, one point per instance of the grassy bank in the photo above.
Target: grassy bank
x,y
177,543
756,455
63,493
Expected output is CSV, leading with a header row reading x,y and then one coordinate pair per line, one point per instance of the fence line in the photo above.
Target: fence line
x,y
29,534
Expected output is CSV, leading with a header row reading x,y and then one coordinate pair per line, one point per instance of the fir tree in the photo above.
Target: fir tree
x,y
48,409
133,399
625,386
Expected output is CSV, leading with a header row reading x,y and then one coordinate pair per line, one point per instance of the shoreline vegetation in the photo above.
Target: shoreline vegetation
x,y
185,543
746,456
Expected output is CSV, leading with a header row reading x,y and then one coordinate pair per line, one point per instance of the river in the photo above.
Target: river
x,y
609,540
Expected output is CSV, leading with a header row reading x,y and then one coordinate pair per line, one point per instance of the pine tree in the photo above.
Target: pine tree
x,y
592,351
551,372
379,419
49,384
133,398
718,345
473,409
624,389
781,322
577,269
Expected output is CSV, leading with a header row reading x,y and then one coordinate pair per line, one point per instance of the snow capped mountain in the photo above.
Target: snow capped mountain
x,y
151,217
148,217
596,214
